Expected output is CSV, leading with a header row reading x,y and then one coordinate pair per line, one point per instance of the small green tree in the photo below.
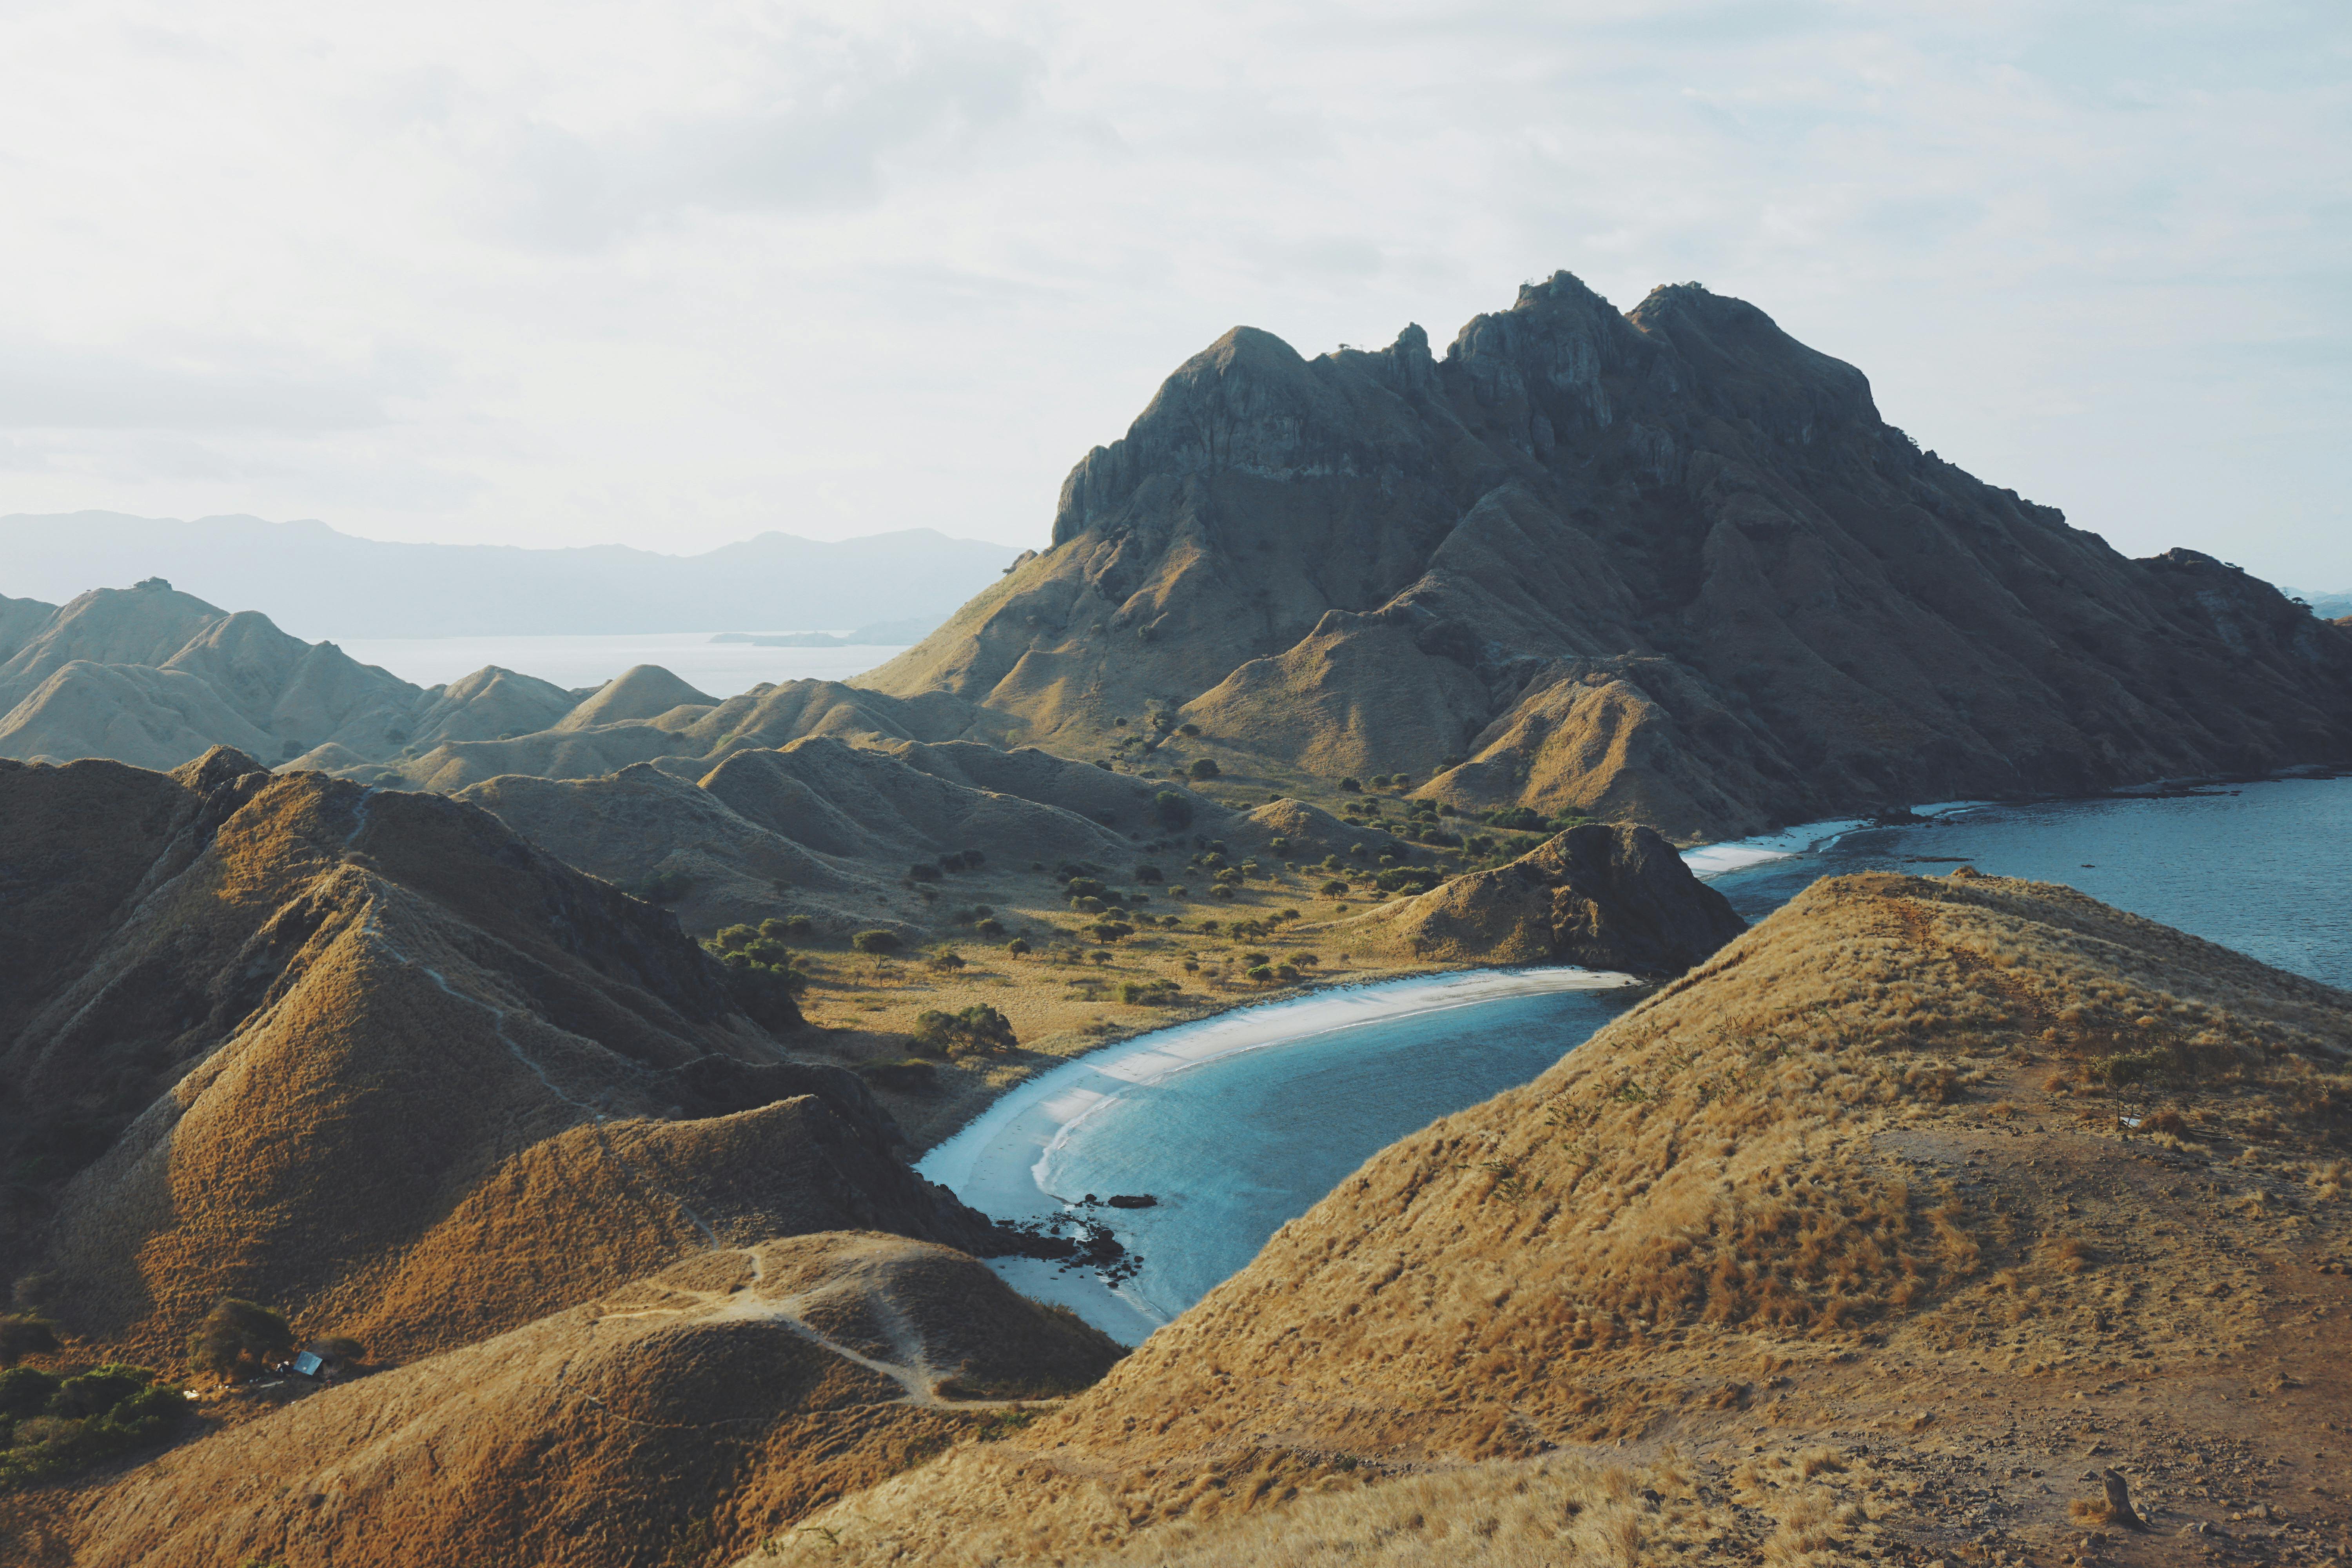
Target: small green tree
x,y
1175,813
238,1337
980,1028
876,941
1204,768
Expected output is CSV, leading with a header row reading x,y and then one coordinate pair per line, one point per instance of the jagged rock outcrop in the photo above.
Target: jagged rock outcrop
x,y
1667,566
1601,897
372,1057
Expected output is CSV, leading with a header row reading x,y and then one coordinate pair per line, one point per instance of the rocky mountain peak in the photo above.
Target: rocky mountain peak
x,y
1668,566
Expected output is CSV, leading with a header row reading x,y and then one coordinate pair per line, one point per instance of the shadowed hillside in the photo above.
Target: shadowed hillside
x,y
372,1058
1866,1238
1668,566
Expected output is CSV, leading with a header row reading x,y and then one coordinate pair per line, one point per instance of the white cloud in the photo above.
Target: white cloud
x,y
606,271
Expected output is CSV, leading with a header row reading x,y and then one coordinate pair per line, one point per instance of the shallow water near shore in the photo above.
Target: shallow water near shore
x,y
1238,1122
1241,1122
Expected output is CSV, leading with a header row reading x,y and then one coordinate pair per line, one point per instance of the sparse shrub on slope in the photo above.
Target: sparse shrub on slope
x,y
978,1029
761,975
238,1338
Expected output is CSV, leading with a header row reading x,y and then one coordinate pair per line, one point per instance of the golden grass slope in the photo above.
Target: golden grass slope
x,y
692,1414
1869,1236
371,1057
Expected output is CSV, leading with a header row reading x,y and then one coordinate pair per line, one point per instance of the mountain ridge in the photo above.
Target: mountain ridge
x,y
1666,567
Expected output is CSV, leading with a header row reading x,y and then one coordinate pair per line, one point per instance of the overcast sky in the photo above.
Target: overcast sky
x,y
670,274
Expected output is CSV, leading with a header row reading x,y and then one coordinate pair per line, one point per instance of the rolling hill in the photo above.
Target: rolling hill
x,y
371,1056
1867,1239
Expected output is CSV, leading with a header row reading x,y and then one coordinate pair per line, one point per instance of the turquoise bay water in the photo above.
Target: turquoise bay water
x,y
1234,1146
1240,1123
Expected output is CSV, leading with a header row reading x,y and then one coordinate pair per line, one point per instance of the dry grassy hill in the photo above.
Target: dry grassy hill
x,y
1879,1236
1666,567
649,715
1600,896
688,1416
371,1057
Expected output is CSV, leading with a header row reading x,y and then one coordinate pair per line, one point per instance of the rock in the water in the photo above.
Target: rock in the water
x,y
1608,898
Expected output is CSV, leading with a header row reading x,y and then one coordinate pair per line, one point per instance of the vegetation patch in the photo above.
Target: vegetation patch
x,y
53,1424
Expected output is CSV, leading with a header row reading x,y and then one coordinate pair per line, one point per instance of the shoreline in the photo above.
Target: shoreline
x,y
1706,861
995,1161
1709,861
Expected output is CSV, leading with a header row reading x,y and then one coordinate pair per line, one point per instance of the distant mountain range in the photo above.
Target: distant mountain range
x,y
316,583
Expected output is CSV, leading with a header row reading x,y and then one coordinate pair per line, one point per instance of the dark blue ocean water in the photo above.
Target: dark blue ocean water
x,y
1234,1146
2265,867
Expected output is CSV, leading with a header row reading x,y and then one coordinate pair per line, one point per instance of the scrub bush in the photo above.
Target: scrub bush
x,y
52,1427
980,1029
239,1338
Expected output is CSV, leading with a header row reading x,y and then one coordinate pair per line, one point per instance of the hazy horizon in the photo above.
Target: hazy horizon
x,y
675,279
